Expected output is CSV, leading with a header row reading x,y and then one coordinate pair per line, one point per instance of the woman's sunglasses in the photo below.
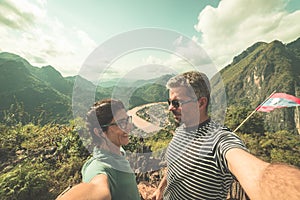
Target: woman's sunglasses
x,y
122,123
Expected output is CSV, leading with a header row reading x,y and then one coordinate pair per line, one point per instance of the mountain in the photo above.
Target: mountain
x,y
134,82
295,47
46,96
21,83
251,77
257,72
55,80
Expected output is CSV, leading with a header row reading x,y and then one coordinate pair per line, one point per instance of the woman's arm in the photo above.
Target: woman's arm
x,y
96,189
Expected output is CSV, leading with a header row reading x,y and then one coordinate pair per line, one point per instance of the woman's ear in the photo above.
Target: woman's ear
x,y
98,132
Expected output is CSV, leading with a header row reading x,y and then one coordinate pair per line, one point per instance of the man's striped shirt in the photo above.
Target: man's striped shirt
x,y
197,168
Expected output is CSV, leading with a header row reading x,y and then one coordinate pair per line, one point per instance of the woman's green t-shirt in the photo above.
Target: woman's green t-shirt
x,y
121,178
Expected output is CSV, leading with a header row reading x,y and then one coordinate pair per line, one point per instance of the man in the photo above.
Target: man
x,y
204,157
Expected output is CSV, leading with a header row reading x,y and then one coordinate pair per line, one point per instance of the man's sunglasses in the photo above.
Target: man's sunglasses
x,y
179,103
122,123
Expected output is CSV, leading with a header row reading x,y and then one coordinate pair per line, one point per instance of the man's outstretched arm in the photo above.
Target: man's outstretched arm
x,y
262,180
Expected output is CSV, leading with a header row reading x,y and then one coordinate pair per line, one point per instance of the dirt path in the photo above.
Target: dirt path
x,y
141,123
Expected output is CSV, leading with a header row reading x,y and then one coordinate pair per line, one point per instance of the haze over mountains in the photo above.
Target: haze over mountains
x,y
249,79
44,93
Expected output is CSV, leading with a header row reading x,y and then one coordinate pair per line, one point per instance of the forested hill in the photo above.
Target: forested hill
x,y
43,95
257,72
42,92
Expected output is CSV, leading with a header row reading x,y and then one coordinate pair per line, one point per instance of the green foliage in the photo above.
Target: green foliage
x,y
252,142
148,93
25,181
133,145
281,146
159,141
10,141
67,173
15,114
39,161
235,115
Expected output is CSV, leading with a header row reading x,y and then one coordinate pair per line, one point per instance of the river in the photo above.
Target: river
x,y
141,123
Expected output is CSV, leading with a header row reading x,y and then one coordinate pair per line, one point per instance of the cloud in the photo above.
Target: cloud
x,y
237,24
27,30
85,39
19,15
192,52
187,55
152,60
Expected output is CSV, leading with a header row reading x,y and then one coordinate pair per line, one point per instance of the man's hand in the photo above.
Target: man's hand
x,y
158,194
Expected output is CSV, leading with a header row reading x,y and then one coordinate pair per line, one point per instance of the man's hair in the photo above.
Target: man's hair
x,y
100,114
196,83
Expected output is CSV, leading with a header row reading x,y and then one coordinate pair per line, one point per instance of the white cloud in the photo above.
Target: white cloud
x,y
17,16
152,60
187,55
41,39
237,24
86,40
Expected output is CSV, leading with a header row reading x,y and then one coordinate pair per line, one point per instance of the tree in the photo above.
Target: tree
x,y
236,114
25,181
282,146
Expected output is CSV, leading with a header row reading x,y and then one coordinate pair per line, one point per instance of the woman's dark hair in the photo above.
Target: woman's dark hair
x,y
100,114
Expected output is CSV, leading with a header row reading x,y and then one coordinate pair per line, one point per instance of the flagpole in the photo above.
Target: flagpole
x,y
253,111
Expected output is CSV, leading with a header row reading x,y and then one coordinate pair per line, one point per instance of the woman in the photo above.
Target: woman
x,y
107,175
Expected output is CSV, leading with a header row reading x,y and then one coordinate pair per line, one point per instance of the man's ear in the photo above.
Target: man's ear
x,y
202,101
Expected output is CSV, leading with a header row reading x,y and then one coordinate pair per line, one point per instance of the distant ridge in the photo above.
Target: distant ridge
x,y
248,80
20,82
46,94
257,72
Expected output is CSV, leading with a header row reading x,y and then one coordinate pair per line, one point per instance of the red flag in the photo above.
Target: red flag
x,y
278,100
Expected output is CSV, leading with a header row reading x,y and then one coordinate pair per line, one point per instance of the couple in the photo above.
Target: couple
x,y
203,157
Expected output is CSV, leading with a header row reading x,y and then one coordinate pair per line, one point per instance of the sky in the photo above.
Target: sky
x,y
65,33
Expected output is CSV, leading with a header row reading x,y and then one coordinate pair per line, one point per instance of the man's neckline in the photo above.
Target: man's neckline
x,y
197,127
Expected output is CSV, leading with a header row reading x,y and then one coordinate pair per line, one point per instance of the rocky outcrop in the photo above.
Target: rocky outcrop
x,y
256,73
